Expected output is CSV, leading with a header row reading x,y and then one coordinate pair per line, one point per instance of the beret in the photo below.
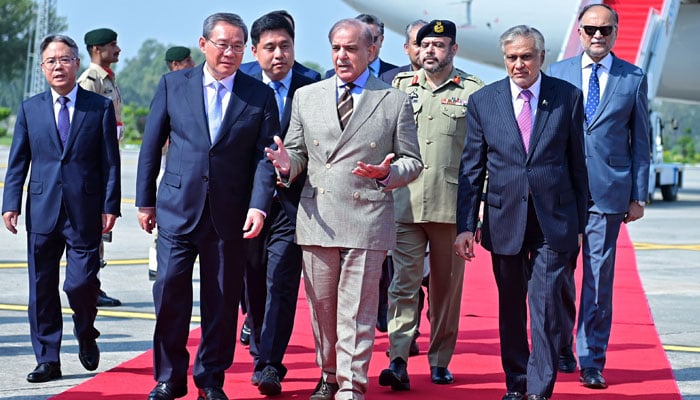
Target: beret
x,y
177,53
100,36
437,28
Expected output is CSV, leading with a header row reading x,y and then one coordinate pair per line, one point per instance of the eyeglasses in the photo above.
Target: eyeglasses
x,y
223,47
51,62
591,30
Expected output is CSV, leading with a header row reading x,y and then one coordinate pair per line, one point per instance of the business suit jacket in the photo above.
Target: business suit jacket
x,y
553,170
617,138
337,207
196,169
84,177
389,75
253,69
383,67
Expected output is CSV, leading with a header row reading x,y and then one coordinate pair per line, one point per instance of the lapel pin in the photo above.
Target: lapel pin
x,y
544,103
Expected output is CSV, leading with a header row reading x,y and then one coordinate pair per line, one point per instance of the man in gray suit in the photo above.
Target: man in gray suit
x,y
617,156
527,132
345,221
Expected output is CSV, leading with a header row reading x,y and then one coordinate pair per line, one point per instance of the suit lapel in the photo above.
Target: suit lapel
x,y
79,111
504,105
194,95
610,88
547,97
236,104
372,95
47,109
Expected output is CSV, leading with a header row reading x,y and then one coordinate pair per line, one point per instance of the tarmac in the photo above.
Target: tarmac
x,y
666,240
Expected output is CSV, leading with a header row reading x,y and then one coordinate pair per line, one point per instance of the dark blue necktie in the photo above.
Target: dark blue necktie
x,y
63,120
593,93
277,85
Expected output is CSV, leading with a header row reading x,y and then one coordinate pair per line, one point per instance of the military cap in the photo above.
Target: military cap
x,y
437,28
177,53
100,36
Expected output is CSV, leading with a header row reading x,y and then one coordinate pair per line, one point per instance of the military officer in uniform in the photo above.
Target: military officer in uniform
x,y
99,78
425,209
178,57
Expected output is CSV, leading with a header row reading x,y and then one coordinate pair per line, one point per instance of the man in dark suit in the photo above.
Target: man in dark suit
x,y
345,223
412,50
617,157
377,66
67,136
253,68
526,131
274,260
216,183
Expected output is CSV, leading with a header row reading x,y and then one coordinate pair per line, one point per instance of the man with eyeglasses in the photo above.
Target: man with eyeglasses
x,y
99,78
425,208
66,139
617,157
215,193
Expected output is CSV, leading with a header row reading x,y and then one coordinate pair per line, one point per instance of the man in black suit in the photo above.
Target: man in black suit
x,y
214,194
253,68
526,131
377,66
274,260
67,137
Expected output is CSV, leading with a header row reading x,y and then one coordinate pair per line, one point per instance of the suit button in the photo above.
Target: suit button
x,y
356,195
426,166
328,166
315,142
373,145
205,179
428,142
321,190
430,117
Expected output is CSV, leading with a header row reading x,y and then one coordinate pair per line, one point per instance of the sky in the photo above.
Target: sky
x,y
179,22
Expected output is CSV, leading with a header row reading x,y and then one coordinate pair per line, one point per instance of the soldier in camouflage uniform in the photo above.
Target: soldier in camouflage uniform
x,y
426,208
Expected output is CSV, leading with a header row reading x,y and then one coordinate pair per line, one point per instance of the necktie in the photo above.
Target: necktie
x,y
277,85
525,118
593,93
63,120
215,110
345,105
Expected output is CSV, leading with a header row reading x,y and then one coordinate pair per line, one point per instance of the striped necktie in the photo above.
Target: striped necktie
x,y
345,105
525,118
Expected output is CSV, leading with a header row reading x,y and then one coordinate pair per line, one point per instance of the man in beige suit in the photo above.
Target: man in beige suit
x,y
345,222
425,209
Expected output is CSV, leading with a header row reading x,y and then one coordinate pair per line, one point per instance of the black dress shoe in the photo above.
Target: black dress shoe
x,y
324,390
441,376
211,393
269,384
593,379
567,361
45,372
168,391
105,301
536,397
395,376
88,353
245,334
513,396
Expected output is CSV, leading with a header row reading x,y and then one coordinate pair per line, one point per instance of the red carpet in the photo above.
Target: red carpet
x,y
637,366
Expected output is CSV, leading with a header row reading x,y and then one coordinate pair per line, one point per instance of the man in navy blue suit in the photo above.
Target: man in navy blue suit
x,y
526,131
67,137
274,260
215,192
412,50
253,68
617,157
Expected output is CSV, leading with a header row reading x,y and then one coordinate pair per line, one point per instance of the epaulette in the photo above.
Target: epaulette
x,y
469,77
404,75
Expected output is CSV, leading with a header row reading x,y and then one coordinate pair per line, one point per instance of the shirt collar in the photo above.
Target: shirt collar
x,y
360,81
534,88
209,79
606,62
376,64
72,95
286,81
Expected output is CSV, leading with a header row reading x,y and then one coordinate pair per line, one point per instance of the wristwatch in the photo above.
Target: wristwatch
x,y
641,203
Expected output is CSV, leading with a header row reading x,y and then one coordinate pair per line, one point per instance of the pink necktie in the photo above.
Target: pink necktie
x,y
525,118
